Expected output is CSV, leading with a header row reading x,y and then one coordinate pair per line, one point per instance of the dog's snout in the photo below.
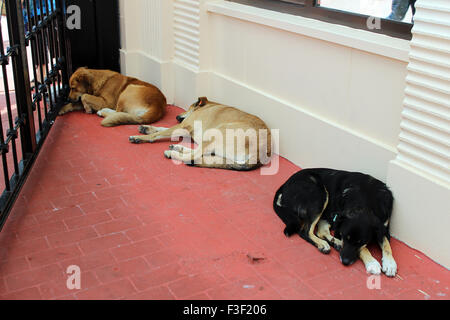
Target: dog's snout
x,y
347,261
179,119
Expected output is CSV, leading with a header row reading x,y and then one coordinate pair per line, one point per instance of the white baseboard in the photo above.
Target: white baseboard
x,y
421,214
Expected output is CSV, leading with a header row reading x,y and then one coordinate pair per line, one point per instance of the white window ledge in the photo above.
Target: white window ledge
x,y
355,38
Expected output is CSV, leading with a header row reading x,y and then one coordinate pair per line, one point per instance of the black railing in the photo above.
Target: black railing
x,y
28,111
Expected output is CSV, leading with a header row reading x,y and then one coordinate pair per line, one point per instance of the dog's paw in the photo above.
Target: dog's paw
x,y
324,247
146,129
373,267
134,139
168,154
389,267
67,108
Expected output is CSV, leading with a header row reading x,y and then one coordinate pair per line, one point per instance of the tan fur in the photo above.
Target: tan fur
x,y
118,98
212,116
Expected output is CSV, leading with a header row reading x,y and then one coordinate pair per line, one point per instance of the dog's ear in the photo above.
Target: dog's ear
x,y
202,101
85,78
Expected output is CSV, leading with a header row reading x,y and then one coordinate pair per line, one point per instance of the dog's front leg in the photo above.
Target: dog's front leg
x,y
92,103
323,232
322,245
70,107
372,265
389,264
174,132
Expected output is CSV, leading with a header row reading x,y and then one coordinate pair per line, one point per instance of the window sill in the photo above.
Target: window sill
x,y
354,38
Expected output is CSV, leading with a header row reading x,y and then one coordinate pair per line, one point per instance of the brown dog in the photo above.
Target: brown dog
x,y
221,127
117,98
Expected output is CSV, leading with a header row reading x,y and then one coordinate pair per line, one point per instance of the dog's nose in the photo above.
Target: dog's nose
x,y
346,261
179,119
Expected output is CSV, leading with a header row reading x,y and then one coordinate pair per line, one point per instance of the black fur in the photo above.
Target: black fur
x,y
358,207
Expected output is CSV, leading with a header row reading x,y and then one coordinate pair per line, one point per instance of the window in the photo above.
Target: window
x,y
390,17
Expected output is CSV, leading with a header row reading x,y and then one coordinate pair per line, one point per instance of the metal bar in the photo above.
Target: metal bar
x,y
63,57
35,60
21,77
47,41
11,132
40,49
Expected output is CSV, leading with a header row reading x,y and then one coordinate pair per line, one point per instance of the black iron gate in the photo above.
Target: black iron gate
x,y
35,84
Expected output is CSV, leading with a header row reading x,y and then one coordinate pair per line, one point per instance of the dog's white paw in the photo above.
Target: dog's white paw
x,y
389,267
373,267
324,247
168,154
104,112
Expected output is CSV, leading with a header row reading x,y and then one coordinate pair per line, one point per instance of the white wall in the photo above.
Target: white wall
x,y
334,92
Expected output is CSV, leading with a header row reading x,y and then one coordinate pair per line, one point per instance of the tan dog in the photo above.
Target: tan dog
x,y
117,98
222,127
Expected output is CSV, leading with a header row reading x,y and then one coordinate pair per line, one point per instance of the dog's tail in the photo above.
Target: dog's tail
x,y
118,118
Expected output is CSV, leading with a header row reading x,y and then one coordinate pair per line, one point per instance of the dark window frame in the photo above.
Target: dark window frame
x,y
309,9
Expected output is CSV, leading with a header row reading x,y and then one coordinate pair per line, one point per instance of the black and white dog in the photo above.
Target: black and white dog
x,y
356,206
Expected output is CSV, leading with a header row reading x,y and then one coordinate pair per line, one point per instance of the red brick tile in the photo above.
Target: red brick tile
x,y
196,284
198,297
156,293
118,225
58,288
103,243
70,237
148,231
33,277
26,294
53,255
158,277
72,201
12,266
18,249
111,191
110,291
122,270
90,261
41,231
360,292
87,220
59,215
101,205
253,288
137,249
91,186
162,258
2,287
330,283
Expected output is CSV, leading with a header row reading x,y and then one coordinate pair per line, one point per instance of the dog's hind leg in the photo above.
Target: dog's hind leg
x,y
389,264
323,232
371,264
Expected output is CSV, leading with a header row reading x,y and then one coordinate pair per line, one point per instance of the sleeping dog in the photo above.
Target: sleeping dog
x,y
356,206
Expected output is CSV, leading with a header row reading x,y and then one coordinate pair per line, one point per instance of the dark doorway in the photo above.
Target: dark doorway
x,y
96,44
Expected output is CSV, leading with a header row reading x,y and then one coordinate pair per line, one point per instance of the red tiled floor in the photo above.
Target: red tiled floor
x,y
141,227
